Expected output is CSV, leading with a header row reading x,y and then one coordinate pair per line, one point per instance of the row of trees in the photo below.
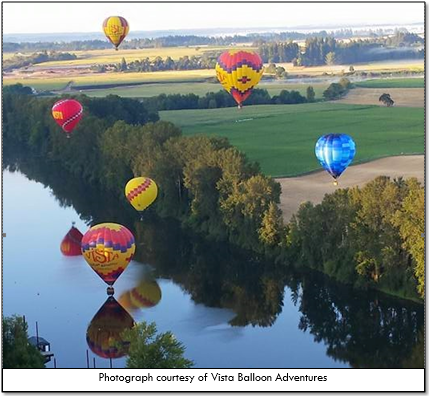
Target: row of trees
x,y
213,100
327,50
18,61
370,235
212,187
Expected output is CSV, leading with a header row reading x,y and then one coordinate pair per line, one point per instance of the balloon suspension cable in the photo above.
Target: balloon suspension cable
x,y
110,291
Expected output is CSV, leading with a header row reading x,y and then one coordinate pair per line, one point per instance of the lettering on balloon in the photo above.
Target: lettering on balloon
x,y
101,256
58,115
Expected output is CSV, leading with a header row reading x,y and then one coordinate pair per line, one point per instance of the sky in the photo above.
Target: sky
x,y
62,17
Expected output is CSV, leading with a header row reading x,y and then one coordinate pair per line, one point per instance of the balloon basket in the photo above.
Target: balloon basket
x,y
68,136
110,291
335,183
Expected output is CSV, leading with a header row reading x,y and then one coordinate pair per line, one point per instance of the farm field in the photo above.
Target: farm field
x,y
111,56
197,88
282,137
403,97
392,83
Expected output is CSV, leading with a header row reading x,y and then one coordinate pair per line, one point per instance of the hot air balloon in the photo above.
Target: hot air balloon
x,y
116,29
67,113
108,248
70,245
146,295
335,152
239,72
103,335
141,192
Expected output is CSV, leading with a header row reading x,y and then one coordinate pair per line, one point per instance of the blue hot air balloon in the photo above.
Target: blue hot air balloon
x,y
335,152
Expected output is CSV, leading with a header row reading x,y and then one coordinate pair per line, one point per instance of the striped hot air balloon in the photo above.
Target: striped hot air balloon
x,y
141,192
67,113
108,248
116,29
239,72
104,333
335,152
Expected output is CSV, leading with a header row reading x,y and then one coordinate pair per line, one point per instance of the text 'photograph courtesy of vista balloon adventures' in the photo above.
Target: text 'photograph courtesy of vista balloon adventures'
x,y
202,196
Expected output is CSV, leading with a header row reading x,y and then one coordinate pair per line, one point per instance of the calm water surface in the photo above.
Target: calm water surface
x,y
227,315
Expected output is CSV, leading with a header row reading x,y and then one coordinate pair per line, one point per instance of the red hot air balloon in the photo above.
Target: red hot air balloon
x,y
67,113
70,245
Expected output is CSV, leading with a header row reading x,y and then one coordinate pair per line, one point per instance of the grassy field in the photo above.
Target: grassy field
x,y
392,83
198,88
112,56
282,137
50,82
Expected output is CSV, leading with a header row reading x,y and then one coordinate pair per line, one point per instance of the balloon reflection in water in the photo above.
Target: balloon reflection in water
x,y
104,332
70,245
146,295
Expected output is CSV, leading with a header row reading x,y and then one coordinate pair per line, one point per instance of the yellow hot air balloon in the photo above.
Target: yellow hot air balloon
x,y
108,248
141,192
239,71
146,294
116,29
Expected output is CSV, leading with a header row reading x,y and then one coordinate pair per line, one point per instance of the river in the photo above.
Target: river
x,y
229,309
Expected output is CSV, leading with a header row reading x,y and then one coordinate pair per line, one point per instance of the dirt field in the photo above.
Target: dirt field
x,y
313,187
403,97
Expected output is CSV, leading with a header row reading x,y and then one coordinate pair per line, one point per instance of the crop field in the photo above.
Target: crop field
x,y
112,56
282,137
197,88
392,83
59,81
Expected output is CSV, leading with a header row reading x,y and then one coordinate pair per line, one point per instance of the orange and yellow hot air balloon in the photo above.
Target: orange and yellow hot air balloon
x,y
141,192
116,29
108,248
103,335
239,71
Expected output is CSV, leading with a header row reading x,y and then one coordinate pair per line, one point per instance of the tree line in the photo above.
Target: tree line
x,y
18,61
328,51
182,40
368,237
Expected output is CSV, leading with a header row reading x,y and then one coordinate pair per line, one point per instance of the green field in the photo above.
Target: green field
x,y
197,88
392,83
282,137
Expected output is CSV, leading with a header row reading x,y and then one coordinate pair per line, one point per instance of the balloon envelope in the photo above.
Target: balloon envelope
x,y
239,72
108,248
103,335
116,29
141,192
70,245
67,113
335,152
146,295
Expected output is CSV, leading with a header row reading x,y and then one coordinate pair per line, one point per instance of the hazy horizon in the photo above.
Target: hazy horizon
x,y
86,18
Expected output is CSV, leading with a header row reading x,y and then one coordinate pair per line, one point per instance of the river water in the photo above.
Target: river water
x,y
227,308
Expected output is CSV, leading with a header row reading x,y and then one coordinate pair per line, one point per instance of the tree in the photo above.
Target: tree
x,y
351,69
386,99
272,226
310,94
281,72
123,66
330,58
17,352
148,350
345,83
411,222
